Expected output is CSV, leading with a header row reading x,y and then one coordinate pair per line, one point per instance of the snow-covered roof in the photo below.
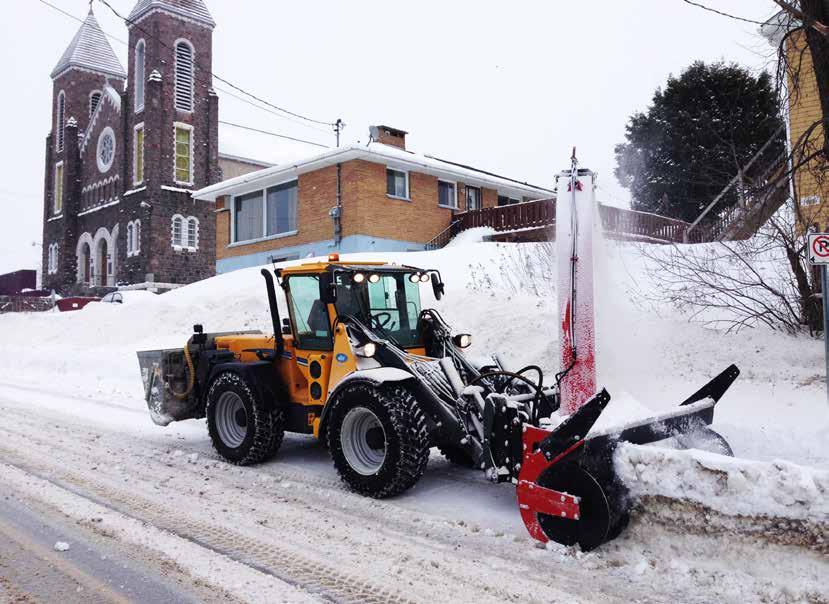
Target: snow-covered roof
x,y
376,153
194,10
90,49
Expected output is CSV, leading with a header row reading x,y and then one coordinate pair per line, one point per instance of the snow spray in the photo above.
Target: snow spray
x,y
574,250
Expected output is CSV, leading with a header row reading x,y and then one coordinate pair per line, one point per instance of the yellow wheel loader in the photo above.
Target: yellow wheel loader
x,y
363,367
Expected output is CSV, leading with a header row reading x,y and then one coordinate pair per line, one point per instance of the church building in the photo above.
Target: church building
x,y
126,150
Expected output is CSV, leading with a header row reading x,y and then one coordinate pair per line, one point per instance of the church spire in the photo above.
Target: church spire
x,y
90,50
192,10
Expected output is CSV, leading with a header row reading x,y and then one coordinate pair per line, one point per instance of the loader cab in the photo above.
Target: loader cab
x,y
384,297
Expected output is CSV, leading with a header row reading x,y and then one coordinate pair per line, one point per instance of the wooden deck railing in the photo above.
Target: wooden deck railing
x,y
521,219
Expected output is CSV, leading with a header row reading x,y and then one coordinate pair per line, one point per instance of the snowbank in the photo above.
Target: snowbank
x,y
732,486
505,296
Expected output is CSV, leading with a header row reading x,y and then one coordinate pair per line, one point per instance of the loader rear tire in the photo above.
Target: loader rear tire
x,y
378,439
243,428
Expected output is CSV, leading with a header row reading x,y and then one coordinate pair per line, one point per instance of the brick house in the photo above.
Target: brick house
x,y
375,197
126,149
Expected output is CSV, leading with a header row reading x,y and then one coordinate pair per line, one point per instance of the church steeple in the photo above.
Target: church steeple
x,y
192,10
90,50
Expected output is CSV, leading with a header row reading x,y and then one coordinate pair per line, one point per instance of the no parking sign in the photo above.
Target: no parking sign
x,y
819,248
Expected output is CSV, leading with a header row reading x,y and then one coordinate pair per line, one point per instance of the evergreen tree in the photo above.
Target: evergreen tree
x,y
696,136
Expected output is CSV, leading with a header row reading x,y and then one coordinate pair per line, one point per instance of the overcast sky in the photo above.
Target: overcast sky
x,y
509,87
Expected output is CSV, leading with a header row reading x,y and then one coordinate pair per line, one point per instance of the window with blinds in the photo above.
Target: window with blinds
x,y
58,201
61,120
139,75
184,152
94,99
138,155
184,77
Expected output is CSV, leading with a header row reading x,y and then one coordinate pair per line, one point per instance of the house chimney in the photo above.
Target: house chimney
x,y
388,136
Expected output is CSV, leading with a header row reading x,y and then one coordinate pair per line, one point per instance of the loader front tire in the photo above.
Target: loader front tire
x,y
244,430
378,439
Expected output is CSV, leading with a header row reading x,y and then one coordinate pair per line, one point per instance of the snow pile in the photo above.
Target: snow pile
x,y
476,235
732,486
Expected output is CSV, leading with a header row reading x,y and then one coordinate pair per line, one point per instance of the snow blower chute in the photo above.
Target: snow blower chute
x,y
360,365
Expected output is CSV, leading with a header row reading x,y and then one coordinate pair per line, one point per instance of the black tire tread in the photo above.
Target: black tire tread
x,y
456,456
410,430
268,423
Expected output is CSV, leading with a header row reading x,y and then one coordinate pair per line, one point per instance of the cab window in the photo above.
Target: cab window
x,y
309,315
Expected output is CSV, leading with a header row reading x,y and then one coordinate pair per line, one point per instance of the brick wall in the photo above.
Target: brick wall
x,y
366,209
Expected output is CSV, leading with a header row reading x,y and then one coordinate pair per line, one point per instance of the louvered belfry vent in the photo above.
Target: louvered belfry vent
x,y
184,77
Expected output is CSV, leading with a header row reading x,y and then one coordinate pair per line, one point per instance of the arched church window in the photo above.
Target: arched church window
x,y
184,76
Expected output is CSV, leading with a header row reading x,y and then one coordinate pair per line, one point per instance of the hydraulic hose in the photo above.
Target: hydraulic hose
x,y
191,378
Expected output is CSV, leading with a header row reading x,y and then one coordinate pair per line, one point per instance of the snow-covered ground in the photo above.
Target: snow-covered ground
x,y
71,408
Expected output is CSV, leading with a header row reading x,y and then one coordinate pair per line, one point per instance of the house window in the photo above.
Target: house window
x,y
138,155
280,209
185,233
505,200
58,201
184,76
397,183
94,100
447,196
473,198
248,216
139,75
61,120
184,154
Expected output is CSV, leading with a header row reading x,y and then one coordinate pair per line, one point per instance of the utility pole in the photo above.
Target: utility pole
x,y
338,127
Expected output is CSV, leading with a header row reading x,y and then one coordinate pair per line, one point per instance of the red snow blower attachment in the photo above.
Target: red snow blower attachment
x,y
567,488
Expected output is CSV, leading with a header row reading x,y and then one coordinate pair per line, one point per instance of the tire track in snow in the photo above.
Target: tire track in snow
x,y
309,573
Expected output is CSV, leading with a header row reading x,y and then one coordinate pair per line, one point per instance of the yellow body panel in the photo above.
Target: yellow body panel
x,y
295,365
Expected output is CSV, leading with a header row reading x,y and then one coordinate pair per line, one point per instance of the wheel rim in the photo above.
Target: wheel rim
x,y
363,441
231,419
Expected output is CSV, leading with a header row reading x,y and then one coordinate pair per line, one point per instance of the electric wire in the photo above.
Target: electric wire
x,y
721,13
129,22
218,88
285,136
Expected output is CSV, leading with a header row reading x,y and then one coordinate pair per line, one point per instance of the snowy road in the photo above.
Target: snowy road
x,y
288,531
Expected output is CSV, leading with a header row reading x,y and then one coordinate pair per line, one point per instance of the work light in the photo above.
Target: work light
x,y
374,278
359,277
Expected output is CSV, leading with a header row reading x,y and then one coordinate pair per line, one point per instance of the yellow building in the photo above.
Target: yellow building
x,y
811,187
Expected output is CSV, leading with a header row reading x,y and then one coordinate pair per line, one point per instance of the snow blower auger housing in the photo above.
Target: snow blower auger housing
x,y
360,365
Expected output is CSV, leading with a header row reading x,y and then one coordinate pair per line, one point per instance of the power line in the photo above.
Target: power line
x,y
719,12
221,79
220,89
285,136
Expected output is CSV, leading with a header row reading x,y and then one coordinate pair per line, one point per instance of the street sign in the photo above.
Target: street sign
x,y
819,248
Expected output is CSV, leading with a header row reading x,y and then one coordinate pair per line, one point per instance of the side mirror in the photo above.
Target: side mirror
x,y
437,286
328,289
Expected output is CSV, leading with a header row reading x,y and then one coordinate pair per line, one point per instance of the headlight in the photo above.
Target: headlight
x,y
374,278
424,278
414,277
359,277
462,340
369,349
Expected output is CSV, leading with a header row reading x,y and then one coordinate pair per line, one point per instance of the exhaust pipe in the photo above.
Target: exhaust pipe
x,y
279,341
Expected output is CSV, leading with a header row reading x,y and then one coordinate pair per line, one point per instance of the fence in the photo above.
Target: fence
x,y
24,304
521,219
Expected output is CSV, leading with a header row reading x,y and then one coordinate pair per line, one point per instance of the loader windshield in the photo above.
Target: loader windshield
x,y
389,304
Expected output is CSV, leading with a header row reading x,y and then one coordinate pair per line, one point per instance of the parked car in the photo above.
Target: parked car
x,y
74,303
127,297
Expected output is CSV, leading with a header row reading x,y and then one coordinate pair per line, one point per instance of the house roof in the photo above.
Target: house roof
x,y
90,49
376,153
194,10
